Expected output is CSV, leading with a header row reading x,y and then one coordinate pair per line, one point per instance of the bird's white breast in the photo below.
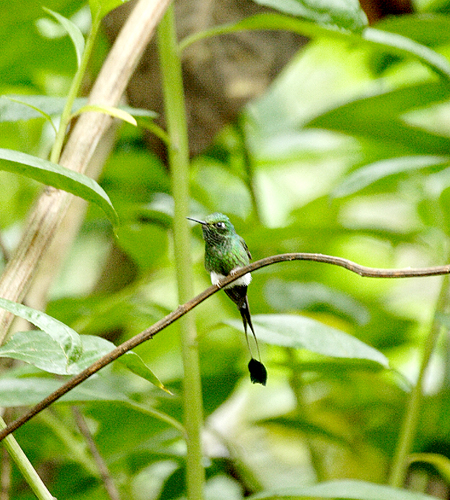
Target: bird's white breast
x,y
242,281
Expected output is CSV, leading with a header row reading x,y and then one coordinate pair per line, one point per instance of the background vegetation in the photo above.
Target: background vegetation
x,y
346,154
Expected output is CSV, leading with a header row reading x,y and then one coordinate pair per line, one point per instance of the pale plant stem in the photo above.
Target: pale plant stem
x,y
74,91
412,413
179,167
24,465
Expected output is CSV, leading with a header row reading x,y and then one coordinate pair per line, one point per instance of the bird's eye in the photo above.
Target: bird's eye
x,y
219,225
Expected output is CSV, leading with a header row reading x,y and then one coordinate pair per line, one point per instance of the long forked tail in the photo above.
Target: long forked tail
x,y
238,294
258,372
244,309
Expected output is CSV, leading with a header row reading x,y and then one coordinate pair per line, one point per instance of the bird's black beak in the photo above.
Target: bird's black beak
x,y
196,220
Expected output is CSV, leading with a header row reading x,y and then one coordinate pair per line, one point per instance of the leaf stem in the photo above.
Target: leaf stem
x,y
411,419
74,90
179,166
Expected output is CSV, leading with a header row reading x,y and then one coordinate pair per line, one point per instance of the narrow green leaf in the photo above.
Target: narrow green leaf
x,y
402,45
63,336
26,107
308,427
108,110
305,333
390,42
59,177
369,174
40,112
346,14
136,364
344,489
73,31
440,462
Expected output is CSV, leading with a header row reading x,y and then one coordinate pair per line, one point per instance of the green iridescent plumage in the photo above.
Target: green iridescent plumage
x,y
226,251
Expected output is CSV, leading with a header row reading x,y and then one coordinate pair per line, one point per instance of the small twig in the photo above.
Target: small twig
x,y
366,272
5,477
110,487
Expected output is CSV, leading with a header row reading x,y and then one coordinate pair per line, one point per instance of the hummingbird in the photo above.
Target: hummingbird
x,y
225,253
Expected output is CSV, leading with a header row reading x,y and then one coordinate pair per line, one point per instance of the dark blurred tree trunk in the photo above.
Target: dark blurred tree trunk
x,y
221,74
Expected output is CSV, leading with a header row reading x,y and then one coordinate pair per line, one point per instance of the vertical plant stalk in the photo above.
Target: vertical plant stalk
x,y
175,115
412,414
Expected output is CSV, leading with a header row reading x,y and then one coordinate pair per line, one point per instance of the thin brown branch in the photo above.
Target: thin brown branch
x,y
366,272
108,482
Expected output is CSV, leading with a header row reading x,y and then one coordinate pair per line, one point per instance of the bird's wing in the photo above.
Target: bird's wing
x,y
245,247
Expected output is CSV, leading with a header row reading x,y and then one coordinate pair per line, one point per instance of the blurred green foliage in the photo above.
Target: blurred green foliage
x,y
346,154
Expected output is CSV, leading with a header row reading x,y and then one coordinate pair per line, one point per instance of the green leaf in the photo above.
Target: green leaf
x,y
26,107
365,176
39,349
346,14
99,8
31,390
305,333
63,336
59,177
108,110
73,31
44,351
287,296
389,42
345,489
309,428
40,112
429,29
401,45
136,364
440,462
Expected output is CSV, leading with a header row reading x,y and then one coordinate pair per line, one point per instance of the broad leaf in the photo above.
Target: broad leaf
x,y
365,176
73,31
346,14
287,296
30,390
63,336
42,350
59,177
345,489
304,333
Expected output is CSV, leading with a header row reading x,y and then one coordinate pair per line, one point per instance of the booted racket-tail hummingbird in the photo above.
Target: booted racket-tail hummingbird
x,y
225,252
